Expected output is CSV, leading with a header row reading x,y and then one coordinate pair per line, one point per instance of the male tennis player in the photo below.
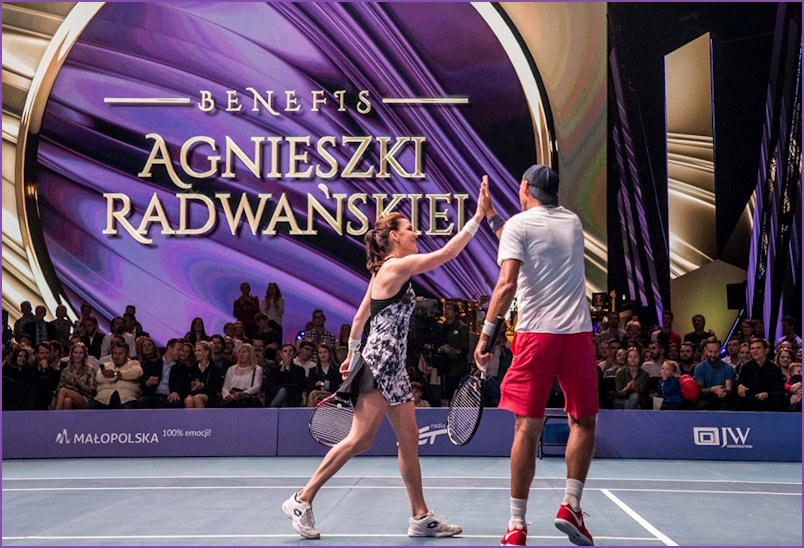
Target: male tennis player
x,y
542,264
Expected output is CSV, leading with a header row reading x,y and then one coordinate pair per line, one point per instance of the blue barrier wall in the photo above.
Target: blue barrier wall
x,y
283,432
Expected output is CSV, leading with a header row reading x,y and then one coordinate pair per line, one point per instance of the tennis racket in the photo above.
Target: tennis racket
x,y
331,420
466,407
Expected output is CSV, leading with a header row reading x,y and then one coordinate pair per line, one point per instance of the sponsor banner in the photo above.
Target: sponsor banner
x,y
139,433
699,435
493,436
283,432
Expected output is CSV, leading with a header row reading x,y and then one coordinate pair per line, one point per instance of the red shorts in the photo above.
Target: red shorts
x,y
538,358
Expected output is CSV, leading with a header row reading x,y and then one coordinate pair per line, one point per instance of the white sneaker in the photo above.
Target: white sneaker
x,y
432,525
301,513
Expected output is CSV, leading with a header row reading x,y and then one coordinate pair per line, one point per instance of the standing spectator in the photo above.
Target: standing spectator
x,y
789,332
760,385
38,329
319,334
206,379
669,387
666,336
118,327
245,307
715,379
118,384
26,317
304,358
699,333
197,332
77,383
631,383
92,338
273,304
62,326
167,381
243,381
453,347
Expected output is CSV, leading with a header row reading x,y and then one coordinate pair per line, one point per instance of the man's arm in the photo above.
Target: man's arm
x,y
501,300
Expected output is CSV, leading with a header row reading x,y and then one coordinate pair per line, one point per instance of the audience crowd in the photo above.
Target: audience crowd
x,y
64,365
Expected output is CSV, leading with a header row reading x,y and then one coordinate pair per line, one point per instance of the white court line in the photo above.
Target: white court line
x,y
429,487
63,478
639,519
329,536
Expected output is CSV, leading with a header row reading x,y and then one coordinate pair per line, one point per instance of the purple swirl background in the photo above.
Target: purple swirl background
x,y
88,147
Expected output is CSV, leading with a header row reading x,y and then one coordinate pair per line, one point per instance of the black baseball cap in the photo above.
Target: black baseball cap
x,y
543,183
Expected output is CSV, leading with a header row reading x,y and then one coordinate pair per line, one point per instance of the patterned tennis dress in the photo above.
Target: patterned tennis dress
x,y
383,358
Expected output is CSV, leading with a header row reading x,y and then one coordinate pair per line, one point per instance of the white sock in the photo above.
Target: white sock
x,y
518,509
572,494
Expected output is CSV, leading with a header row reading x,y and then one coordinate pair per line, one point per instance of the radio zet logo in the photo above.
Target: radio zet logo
x,y
723,437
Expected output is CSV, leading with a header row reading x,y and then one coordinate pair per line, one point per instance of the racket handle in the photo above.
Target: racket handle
x,y
354,360
498,326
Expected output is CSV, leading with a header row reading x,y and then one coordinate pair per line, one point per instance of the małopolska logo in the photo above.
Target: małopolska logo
x,y
723,437
106,438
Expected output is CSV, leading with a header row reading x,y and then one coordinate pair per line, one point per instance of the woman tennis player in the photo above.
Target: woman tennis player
x,y
377,375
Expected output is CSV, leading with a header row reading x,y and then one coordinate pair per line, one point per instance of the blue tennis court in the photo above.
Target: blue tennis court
x,y
235,501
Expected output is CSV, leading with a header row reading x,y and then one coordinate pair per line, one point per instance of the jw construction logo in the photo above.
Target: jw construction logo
x,y
106,438
724,437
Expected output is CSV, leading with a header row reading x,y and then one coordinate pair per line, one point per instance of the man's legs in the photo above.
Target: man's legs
x,y
523,466
580,448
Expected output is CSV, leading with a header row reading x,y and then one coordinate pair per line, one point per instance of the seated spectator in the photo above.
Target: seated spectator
x,y
107,358
760,385
167,381
78,327
783,359
613,330
416,389
241,333
243,381
49,374
631,383
118,382
653,366
610,363
673,354
56,354
793,386
633,330
62,326
669,387
743,356
272,338
230,330
118,327
665,335
699,332
747,330
245,308
342,349
197,332
732,348
318,333
92,338
77,383
304,358
686,359
325,378
285,382
789,333
715,379
133,326
219,357
22,386
206,379
616,365
91,360
146,351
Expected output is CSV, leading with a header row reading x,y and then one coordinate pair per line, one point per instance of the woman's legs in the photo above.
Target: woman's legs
x,y
69,399
369,412
189,402
403,420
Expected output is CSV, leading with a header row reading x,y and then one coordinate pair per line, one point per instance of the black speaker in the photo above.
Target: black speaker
x,y
735,295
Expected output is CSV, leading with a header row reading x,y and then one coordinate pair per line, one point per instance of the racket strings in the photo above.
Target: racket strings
x,y
464,412
331,422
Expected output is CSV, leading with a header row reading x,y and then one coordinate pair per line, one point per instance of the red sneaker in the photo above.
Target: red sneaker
x,y
514,537
571,522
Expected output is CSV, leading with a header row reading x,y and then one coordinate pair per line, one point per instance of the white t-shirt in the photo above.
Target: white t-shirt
x,y
551,287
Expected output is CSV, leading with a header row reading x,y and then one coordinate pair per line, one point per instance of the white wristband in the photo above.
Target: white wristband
x,y
471,226
354,344
488,329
